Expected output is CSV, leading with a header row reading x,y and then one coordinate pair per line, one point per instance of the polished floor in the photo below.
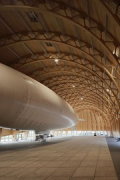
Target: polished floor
x,y
24,144
78,158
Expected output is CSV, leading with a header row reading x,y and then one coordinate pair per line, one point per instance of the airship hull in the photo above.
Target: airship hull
x,y
29,105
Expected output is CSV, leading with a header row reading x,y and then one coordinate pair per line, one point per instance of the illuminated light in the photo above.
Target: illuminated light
x,y
113,51
81,98
56,60
107,90
116,51
73,86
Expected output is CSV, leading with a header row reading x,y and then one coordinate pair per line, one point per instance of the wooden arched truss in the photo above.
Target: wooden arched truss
x,y
84,38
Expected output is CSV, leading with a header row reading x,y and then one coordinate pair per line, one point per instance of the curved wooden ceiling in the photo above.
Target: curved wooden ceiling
x,y
84,37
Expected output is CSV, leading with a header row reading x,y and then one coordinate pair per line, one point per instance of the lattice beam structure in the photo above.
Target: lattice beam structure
x,y
83,38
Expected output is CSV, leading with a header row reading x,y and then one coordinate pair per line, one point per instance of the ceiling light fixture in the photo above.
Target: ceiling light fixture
x,y
107,90
56,60
73,86
81,98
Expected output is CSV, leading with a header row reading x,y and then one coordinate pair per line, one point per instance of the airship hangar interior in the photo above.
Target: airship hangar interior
x,y
59,89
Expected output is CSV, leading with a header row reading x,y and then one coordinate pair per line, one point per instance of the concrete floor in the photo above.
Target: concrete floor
x,y
79,158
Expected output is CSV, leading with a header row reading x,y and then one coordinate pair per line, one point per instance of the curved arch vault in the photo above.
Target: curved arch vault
x,y
72,47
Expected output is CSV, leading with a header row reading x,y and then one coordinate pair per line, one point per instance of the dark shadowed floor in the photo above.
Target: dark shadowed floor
x,y
114,148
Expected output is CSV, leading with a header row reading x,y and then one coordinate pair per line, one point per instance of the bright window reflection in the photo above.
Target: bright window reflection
x,y
78,133
6,138
31,135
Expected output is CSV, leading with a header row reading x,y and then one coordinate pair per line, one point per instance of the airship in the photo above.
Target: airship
x,y
26,104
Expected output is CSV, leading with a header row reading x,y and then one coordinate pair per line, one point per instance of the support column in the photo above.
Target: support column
x,y
14,135
111,131
26,135
0,134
